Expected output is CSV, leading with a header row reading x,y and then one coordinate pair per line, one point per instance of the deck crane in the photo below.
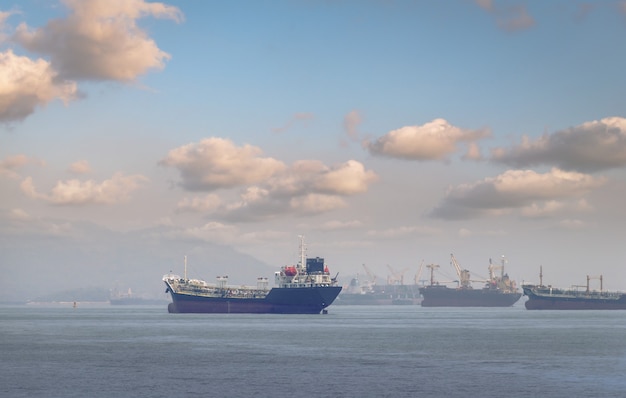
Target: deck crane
x,y
432,272
493,268
464,275
594,277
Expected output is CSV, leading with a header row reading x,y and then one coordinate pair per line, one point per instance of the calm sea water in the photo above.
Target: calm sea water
x,y
354,351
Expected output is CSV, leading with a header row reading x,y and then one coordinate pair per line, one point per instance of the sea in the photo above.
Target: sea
x,y
353,351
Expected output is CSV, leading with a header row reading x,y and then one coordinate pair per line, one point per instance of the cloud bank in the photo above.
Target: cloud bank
x,y
590,147
75,192
98,41
524,190
268,186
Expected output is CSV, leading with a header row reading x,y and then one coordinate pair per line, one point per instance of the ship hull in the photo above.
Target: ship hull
x,y
312,300
550,302
442,296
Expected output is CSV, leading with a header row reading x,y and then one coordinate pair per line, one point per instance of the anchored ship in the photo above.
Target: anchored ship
x,y
542,297
368,292
381,295
305,288
498,291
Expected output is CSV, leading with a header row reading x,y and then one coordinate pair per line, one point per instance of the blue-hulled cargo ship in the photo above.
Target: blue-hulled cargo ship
x,y
304,288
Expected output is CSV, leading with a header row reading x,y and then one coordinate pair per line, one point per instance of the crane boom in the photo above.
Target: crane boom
x,y
370,275
464,275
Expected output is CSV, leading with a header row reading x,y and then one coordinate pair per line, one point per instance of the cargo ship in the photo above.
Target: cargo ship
x,y
382,295
498,291
542,297
304,288
357,293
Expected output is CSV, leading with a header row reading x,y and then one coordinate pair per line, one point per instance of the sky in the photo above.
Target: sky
x,y
390,134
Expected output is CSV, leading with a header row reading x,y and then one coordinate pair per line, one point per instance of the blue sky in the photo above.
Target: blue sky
x,y
386,132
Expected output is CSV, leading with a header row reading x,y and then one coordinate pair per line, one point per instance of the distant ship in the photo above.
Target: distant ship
x,y
498,291
306,288
382,295
367,292
118,298
542,297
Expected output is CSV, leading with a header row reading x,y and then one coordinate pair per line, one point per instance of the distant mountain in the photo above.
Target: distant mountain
x,y
39,264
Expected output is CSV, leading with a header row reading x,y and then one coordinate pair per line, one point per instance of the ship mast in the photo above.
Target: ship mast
x,y
302,252
432,273
185,267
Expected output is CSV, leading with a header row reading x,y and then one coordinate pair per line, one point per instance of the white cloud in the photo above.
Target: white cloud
x,y
9,166
308,187
572,224
553,208
298,117
18,222
436,140
589,147
514,189
348,178
351,123
468,233
473,152
335,225
19,214
26,84
269,187
75,192
4,15
313,203
215,163
214,232
80,167
203,204
99,39
402,231
508,17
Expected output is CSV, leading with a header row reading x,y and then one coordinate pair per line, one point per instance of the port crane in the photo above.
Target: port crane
x,y
370,275
397,278
419,273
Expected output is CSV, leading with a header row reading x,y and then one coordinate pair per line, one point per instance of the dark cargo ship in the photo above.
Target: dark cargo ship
x,y
498,291
306,288
542,297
